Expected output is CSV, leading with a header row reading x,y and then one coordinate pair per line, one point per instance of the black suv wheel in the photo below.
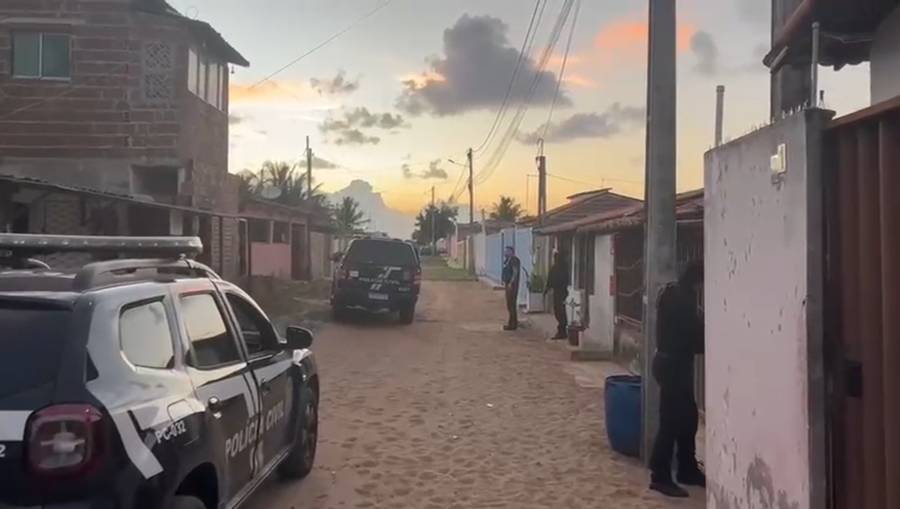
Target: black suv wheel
x,y
408,314
299,462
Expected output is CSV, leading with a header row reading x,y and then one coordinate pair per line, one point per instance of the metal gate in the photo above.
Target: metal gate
x,y
862,202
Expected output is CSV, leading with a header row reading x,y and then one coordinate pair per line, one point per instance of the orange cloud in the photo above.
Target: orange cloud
x,y
270,91
580,81
631,36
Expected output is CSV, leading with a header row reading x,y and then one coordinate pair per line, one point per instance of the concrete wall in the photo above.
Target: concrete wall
x,y
479,254
599,336
319,252
765,419
885,67
270,260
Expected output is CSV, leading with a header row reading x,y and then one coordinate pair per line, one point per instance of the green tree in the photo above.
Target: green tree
x,y
348,217
282,182
507,209
444,216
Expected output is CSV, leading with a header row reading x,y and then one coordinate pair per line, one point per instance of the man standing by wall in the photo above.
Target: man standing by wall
x,y
512,267
681,337
558,281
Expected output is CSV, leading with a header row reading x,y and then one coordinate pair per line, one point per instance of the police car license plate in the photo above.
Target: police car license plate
x,y
378,296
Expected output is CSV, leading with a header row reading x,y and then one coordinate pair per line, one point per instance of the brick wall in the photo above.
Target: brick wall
x,y
105,110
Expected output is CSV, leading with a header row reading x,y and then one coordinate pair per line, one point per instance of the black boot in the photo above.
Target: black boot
x,y
669,489
692,477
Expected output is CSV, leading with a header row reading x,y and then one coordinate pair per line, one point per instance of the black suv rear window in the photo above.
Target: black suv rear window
x,y
380,252
31,343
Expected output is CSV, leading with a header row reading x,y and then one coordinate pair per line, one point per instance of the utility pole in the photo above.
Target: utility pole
x,y
720,112
542,183
433,230
791,86
471,187
659,255
309,187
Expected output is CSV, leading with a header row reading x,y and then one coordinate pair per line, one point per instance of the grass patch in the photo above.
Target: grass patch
x,y
435,268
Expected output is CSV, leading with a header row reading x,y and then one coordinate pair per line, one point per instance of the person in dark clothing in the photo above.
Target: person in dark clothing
x,y
558,281
680,338
511,269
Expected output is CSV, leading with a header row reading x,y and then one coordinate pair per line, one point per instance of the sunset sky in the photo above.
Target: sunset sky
x,y
420,81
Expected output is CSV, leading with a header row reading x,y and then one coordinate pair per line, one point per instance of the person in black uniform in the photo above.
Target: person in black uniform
x,y
511,269
558,281
680,338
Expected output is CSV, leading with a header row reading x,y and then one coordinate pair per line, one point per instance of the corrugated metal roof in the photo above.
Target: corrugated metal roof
x,y
582,206
201,29
847,29
688,206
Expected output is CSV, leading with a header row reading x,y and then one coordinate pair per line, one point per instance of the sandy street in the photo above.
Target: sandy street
x,y
451,412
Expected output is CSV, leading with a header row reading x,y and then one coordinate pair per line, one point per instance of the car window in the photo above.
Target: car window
x,y
256,330
379,252
32,336
145,336
211,342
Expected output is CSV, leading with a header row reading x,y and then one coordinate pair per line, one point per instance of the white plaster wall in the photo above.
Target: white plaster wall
x,y
602,305
885,55
757,288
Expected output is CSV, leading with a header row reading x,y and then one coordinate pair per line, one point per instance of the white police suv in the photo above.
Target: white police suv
x,y
143,383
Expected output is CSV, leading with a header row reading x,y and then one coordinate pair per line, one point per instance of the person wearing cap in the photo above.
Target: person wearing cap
x,y
511,269
680,338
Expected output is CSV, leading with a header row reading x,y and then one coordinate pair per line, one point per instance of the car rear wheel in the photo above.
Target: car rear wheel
x,y
300,460
408,314
182,502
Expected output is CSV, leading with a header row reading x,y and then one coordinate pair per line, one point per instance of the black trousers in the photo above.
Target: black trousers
x,y
559,309
678,417
512,304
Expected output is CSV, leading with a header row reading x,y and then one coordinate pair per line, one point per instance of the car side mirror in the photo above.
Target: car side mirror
x,y
336,257
298,338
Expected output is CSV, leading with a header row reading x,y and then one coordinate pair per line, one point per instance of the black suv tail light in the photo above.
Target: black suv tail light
x,y
66,440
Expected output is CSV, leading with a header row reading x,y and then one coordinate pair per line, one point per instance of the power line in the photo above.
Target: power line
x,y
324,43
526,48
513,127
562,69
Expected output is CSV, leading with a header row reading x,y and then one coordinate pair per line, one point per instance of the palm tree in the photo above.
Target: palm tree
x,y
506,210
348,217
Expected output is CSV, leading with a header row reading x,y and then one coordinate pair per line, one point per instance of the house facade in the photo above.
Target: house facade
x,y
115,120
802,239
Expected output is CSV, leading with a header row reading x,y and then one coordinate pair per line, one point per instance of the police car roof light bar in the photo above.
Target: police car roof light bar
x,y
18,245
101,273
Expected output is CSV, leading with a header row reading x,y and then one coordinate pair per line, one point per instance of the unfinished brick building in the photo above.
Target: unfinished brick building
x,y
114,119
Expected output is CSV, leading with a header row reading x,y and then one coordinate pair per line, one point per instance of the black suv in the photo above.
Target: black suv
x,y
143,383
377,274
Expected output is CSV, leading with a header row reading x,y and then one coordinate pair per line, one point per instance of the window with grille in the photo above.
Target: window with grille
x,y
158,72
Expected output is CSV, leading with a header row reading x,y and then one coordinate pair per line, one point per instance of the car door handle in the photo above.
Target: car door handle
x,y
265,387
214,405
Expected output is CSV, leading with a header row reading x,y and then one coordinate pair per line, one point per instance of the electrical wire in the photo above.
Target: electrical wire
x,y
562,69
513,127
529,36
324,43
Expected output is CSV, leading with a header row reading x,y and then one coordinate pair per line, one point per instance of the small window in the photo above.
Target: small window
x,y
281,233
211,342
37,55
192,71
202,78
146,337
257,331
223,76
212,92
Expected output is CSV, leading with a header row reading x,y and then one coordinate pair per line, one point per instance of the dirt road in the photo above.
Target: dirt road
x,y
451,412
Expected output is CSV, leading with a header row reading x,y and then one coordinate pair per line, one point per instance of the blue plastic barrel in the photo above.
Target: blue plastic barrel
x,y
623,414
